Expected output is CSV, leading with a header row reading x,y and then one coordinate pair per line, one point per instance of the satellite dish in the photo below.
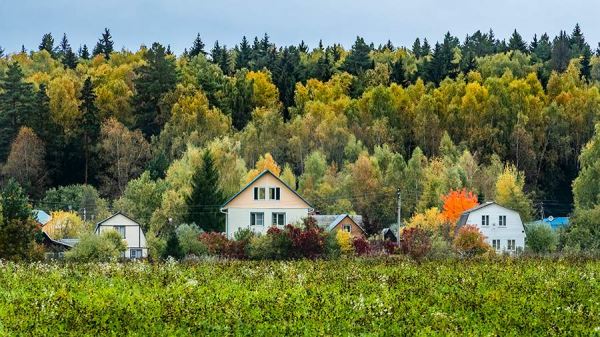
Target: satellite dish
x,y
551,218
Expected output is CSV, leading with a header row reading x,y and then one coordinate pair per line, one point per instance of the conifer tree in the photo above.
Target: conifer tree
x,y
206,197
16,223
358,60
104,45
90,125
577,42
154,79
561,52
516,42
47,44
84,53
197,47
173,248
244,54
15,106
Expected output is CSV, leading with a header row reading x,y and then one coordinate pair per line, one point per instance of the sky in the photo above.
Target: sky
x,y
176,22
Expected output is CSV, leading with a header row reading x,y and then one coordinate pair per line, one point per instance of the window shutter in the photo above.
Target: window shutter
x,y
256,193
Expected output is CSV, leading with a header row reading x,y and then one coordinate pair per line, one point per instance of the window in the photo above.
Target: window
x,y
257,219
511,245
135,253
274,193
496,244
347,228
120,230
278,219
502,221
259,193
485,220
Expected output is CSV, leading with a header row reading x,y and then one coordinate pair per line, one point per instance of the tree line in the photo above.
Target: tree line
x,y
347,128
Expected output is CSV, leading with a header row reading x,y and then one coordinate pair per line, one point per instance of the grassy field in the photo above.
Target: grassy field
x,y
345,297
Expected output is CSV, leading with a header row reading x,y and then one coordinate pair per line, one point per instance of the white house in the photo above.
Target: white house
x,y
502,227
266,201
130,231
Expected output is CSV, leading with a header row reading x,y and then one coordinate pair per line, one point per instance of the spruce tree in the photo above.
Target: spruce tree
x,y
47,44
15,106
585,63
516,42
398,75
84,53
197,47
104,45
68,57
173,248
577,42
244,54
358,61
17,226
1,52
239,96
206,198
416,48
561,52
89,125
425,48
543,48
155,78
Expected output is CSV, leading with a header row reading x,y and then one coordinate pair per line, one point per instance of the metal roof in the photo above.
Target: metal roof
x,y
330,221
41,216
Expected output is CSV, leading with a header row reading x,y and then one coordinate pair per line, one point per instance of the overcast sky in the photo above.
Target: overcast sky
x,y
176,22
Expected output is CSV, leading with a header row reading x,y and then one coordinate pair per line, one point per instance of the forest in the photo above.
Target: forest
x,y
167,138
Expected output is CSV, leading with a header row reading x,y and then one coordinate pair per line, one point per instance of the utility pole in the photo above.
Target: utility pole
x,y
399,212
542,206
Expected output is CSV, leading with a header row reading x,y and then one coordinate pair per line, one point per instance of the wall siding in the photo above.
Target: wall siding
x,y
134,236
514,229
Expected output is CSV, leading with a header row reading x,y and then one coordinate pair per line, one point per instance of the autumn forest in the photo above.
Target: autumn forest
x,y
95,129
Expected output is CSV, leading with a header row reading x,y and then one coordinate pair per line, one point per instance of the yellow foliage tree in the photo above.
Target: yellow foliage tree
x,y
431,219
510,194
64,225
265,93
265,162
344,240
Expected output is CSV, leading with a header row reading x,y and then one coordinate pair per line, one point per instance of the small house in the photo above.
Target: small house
x,y
501,226
130,230
264,202
352,224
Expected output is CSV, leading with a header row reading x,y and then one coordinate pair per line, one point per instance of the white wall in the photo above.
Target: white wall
x,y
238,218
514,229
134,236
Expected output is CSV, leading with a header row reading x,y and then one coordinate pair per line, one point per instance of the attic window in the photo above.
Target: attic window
x,y
347,228
259,193
274,193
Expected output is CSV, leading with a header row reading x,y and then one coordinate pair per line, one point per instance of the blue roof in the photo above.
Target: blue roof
x,y
41,216
555,223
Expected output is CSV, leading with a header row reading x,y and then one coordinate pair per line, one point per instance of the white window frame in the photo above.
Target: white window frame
x,y
136,253
511,244
502,220
274,193
275,216
496,244
485,220
121,230
257,193
257,218
347,228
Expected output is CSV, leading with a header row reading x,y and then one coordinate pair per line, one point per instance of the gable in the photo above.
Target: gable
x,y
346,220
288,197
118,219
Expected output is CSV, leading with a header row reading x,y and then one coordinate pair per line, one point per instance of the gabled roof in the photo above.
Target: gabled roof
x,y
41,217
114,215
260,176
465,215
329,222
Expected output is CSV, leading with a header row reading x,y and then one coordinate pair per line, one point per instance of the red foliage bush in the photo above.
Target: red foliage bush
x,y
416,242
361,246
469,241
390,246
306,243
216,243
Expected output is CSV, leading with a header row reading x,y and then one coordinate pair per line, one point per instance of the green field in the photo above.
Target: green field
x,y
344,297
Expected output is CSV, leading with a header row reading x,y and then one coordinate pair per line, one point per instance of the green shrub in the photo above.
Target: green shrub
x,y
101,248
188,236
540,238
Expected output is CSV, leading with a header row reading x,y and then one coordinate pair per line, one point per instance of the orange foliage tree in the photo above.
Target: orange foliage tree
x,y
265,162
456,202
